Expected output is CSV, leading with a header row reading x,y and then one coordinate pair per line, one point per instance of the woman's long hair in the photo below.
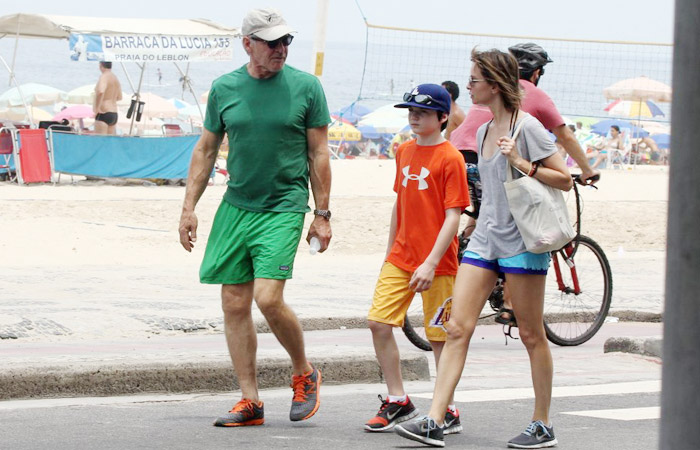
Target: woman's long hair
x,y
500,68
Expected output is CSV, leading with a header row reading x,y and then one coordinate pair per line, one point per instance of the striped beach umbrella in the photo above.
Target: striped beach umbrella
x,y
637,108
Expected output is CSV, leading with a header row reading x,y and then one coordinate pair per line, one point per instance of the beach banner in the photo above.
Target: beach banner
x,y
147,48
123,156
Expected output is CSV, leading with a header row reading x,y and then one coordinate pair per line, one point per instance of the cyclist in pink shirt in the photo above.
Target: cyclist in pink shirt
x,y
531,61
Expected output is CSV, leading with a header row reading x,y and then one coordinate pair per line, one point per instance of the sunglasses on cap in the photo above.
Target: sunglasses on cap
x,y
421,99
284,40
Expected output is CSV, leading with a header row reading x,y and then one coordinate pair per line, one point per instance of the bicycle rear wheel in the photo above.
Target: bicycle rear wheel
x,y
572,318
416,334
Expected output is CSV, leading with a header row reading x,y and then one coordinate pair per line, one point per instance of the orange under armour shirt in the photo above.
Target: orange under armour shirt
x,y
429,180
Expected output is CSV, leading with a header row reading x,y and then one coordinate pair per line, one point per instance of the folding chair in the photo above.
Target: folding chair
x,y
33,161
7,151
172,129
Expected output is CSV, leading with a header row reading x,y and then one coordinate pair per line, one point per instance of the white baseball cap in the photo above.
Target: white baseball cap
x,y
265,23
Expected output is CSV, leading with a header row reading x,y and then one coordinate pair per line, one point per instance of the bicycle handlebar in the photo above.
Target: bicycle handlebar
x,y
593,179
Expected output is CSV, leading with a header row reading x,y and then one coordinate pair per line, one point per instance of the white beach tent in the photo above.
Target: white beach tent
x,y
138,40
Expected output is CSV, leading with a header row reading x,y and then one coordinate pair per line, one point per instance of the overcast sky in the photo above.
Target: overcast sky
x,y
631,20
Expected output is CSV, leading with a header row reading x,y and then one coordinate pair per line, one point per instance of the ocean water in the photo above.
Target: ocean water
x,y
47,62
395,62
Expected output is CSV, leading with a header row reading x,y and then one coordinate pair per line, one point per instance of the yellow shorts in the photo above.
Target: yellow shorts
x,y
392,297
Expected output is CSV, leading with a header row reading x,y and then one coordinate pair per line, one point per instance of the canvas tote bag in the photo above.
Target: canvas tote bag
x,y
539,210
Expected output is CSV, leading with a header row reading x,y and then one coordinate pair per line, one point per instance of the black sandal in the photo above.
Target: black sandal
x,y
506,316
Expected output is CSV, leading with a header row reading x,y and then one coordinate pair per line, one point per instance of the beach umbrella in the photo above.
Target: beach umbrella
x,y
158,107
585,121
641,88
352,113
179,104
191,112
369,132
636,108
85,94
341,131
34,94
662,140
20,114
74,112
603,127
656,127
386,119
337,118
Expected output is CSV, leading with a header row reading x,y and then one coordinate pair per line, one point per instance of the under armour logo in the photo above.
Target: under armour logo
x,y
422,184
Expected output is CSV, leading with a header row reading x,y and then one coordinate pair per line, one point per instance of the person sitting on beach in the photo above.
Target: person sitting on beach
x,y
108,92
456,113
431,191
614,142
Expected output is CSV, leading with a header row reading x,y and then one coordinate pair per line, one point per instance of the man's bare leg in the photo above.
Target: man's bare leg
x,y
283,322
236,301
101,127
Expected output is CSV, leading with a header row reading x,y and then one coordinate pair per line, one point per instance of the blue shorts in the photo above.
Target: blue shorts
x,y
527,263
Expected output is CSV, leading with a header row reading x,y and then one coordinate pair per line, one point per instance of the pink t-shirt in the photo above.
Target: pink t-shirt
x,y
535,101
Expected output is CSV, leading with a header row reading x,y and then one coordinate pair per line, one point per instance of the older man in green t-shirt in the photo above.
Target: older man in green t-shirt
x,y
276,119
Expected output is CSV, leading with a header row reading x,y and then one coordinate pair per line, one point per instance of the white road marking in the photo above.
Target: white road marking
x,y
626,414
91,401
493,395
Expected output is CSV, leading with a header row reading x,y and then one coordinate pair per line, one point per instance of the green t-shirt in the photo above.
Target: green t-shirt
x,y
266,122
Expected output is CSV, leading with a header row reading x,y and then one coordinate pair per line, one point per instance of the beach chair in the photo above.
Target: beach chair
x,y
7,152
172,129
33,160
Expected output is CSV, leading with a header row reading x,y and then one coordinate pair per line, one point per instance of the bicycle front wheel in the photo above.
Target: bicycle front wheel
x,y
416,334
577,300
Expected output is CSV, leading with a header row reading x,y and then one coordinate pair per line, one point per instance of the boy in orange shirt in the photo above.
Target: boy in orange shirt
x,y
432,191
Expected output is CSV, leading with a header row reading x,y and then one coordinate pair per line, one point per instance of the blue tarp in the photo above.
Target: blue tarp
x,y
123,156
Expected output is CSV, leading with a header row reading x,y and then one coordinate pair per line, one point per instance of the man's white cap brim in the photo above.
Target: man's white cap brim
x,y
270,34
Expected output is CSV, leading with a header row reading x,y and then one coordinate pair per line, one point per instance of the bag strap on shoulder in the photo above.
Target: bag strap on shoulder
x,y
516,132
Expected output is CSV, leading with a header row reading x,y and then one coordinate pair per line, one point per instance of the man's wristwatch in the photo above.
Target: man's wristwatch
x,y
325,213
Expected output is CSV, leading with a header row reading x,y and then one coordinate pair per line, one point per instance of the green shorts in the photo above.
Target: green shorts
x,y
245,245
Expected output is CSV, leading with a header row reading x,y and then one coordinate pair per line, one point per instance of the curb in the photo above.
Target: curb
x,y
334,323
647,346
93,379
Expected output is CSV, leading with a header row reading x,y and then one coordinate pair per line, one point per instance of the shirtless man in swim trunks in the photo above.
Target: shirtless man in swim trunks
x,y
108,92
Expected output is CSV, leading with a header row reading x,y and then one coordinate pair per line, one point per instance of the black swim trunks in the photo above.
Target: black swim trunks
x,y
110,118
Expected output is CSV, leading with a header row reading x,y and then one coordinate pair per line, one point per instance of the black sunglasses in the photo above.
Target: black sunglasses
x,y
284,40
422,99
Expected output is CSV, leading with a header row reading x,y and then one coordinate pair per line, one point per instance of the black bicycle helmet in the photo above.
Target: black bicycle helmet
x,y
530,56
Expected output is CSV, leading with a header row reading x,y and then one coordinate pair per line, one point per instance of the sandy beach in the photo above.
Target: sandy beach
x,y
111,252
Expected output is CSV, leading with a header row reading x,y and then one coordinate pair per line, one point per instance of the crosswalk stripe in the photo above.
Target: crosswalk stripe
x,y
627,414
494,395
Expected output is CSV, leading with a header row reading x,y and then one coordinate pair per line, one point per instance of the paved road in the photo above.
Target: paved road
x,y
494,396
627,421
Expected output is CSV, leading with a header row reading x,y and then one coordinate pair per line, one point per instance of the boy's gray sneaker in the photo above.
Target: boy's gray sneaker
x,y
536,435
424,430
452,424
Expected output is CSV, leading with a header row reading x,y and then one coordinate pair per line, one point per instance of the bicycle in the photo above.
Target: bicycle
x,y
576,302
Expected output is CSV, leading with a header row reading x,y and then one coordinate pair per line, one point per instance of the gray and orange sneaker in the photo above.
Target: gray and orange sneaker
x,y
306,398
390,414
244,413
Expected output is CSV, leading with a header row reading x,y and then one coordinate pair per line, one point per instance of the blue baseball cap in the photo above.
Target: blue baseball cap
x,y
427,96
